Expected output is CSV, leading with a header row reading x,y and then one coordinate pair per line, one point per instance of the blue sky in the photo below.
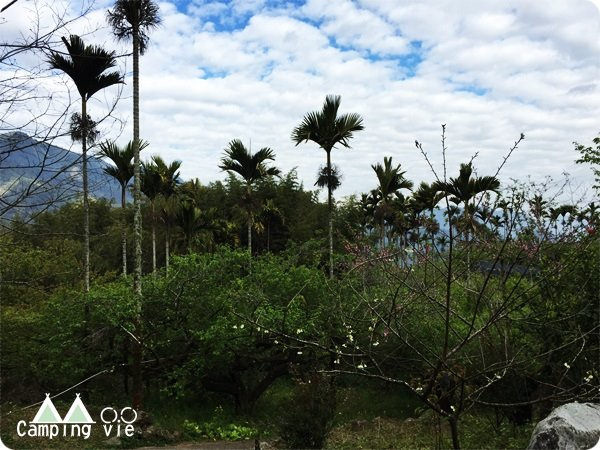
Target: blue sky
x,y
250,69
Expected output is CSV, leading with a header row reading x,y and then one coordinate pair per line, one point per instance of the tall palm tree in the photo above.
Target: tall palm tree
x,y
168,211
133,19
391,181
252,168
159,179
122,171
327,129
86,65
169,179
169,175
151,186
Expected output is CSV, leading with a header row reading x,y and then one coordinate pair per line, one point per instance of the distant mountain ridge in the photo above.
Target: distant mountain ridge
x,y
34,174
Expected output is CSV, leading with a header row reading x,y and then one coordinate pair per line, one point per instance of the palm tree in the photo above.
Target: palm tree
x,y
159,179
462,190
132,19
122,171
169,179
189,217
252,168
391,181
168,210
368,206
85,65
465,188
327,130
268,213
425,198
169,175
151,188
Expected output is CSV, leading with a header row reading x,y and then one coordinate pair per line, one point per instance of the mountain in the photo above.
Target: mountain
x,y
35,175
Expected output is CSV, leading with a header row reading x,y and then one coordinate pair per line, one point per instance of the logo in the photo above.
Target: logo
x,y
47,423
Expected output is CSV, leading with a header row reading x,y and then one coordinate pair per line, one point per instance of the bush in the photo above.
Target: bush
x,y
308,419
217,431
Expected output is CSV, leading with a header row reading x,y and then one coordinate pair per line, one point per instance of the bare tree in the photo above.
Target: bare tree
x,y
454,343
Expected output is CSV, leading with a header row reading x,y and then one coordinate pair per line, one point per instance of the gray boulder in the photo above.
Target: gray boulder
x,y
568,427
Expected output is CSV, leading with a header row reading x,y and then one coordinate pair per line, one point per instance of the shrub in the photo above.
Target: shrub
x,y
218,431
308,419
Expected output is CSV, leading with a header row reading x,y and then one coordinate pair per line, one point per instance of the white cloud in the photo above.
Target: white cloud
x,y
217,71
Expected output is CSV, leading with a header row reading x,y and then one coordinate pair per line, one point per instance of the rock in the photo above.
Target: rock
x,y
568,427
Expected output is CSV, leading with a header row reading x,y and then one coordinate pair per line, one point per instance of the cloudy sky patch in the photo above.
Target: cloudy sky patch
x,y
218,70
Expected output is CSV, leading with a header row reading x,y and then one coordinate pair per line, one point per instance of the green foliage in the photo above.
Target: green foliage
x,y
591,155
230,308
218,431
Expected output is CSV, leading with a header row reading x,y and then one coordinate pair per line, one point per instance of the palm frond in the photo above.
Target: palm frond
x,y
251,167
326,128
333,179
85,66
121,157
128,15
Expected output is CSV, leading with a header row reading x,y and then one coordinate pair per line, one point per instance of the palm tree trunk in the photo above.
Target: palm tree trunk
x,y
330,208
269,236
250,235
153,241
124,229
382,232
137,384
468,240
86,204
249,193
167,237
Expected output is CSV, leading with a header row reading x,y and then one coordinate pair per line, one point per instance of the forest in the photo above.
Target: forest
x,y
442,313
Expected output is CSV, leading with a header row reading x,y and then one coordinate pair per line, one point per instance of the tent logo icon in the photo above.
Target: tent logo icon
x,y
47,413
78,413
48,423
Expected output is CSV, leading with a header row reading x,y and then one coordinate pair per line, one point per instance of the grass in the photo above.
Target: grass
x,y
369,415
427,432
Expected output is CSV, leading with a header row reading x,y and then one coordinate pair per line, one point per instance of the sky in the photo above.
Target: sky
x,y
250,69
